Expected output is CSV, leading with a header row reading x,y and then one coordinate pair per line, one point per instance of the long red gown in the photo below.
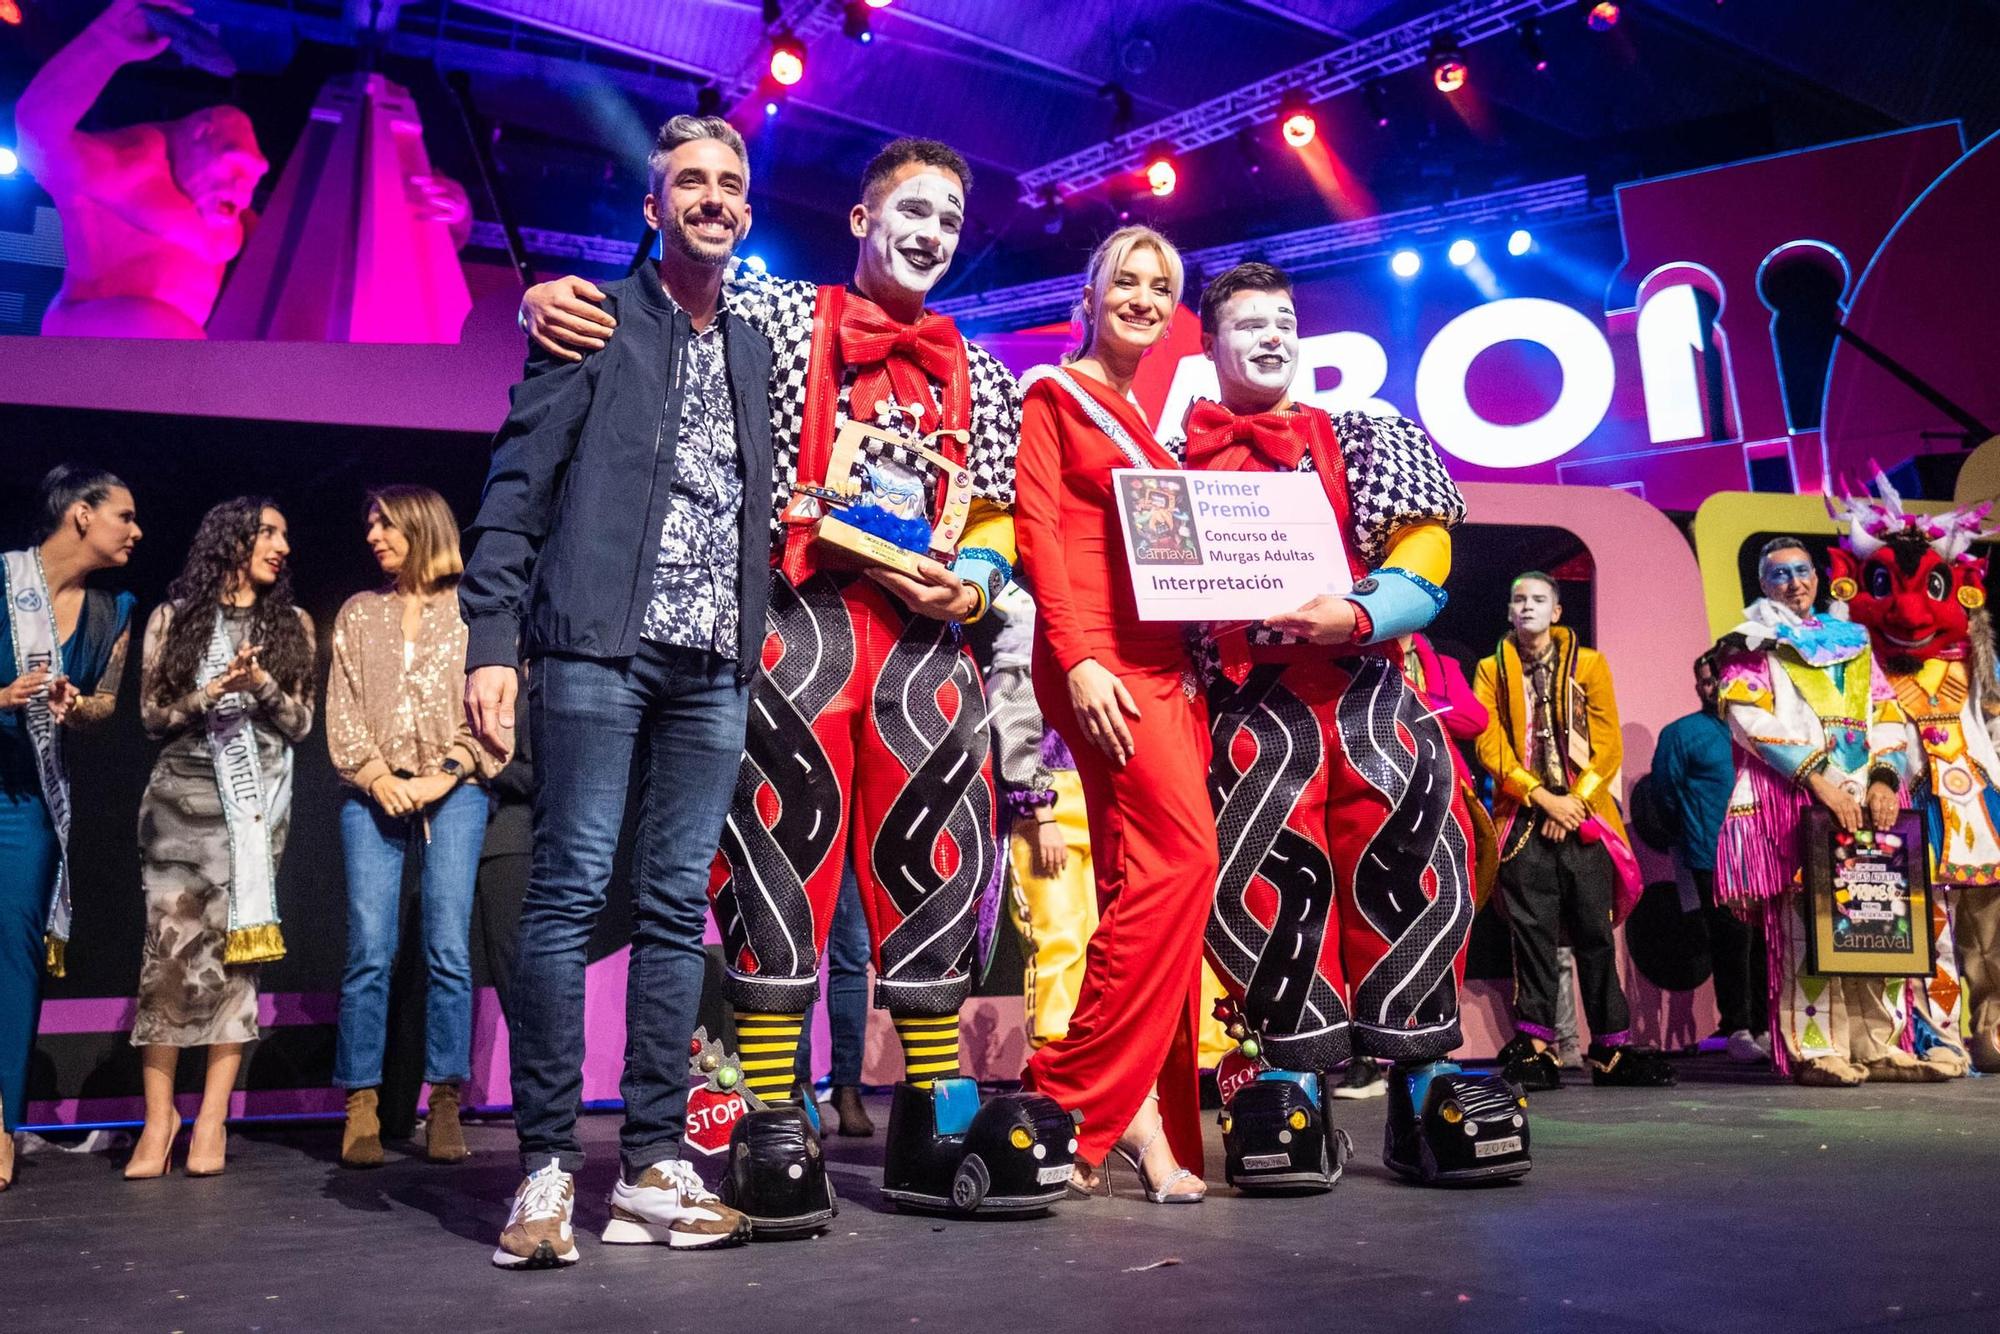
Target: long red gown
x,y
1152,832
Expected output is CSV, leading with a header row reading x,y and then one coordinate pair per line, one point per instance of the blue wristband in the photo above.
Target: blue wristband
x,y
1398,603
986,570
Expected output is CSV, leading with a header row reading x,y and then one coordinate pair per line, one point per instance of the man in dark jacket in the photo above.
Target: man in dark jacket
x,y
616,556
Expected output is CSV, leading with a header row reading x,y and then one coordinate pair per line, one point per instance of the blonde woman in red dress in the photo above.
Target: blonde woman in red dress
x,y
1122,693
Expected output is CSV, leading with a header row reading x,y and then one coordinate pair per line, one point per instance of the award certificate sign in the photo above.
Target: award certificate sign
x,y
1867,899
1228,546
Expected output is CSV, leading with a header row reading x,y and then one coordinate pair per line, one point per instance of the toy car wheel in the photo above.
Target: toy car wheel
x,y
970,1185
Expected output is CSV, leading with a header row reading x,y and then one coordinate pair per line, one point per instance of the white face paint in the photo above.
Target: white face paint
x,y
1256,350
1531,607
908,239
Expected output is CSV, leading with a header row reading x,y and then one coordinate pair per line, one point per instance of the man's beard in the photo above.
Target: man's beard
x,y
677,236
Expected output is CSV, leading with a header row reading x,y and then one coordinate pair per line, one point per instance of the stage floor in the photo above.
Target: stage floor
x,y
1732,1202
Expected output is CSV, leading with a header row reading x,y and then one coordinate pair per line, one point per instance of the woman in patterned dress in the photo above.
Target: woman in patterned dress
x,y
228,641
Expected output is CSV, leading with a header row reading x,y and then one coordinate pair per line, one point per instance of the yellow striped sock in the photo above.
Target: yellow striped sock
x,y
768,1047
930,1047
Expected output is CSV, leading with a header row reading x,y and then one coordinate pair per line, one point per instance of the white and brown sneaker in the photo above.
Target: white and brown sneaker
x,y
669,1206
538,1234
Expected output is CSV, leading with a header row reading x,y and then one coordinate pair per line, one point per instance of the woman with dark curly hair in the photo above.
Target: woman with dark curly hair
x,y
224,680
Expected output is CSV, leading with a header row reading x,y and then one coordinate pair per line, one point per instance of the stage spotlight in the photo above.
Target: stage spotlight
x,y
788,60
1603,16
10,13
1447,64
756,264
854,23
1406,263
1520,241
1530,34
1462,252
10,161
878,4
771,107
1161,173
1377,104
1296,120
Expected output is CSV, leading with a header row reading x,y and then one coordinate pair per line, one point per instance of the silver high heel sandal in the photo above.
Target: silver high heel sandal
x,y
1163,1193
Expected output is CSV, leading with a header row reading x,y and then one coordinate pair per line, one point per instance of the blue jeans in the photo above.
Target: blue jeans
x,y
375,845
29,855
681,713
846,989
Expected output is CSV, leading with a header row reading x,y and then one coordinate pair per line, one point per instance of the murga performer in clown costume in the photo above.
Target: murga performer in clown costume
x,y
1345,893
868,734
1913,581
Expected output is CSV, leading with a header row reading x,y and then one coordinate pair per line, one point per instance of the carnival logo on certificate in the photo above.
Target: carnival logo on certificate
x,y
1161,521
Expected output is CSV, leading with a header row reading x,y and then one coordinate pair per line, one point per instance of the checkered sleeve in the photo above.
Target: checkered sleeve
x,y
782,310
996,426
1394,479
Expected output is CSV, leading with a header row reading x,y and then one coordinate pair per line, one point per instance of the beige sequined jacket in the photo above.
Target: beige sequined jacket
x,y
393,706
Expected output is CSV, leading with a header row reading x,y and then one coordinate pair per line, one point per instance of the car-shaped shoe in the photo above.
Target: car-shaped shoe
x,y
1450,1126
777,1174
1275,1136
949,1152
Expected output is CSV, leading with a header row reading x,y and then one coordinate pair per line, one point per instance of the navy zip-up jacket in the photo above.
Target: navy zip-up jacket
x,y
568,533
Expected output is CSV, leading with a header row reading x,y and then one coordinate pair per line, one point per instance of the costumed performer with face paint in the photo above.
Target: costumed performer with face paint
x,y
1814,720
867,739
1913,581
1553,748
1345,892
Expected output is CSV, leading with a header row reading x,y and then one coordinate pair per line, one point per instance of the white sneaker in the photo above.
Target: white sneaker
x,y
1745,1049
538,1233
669,1206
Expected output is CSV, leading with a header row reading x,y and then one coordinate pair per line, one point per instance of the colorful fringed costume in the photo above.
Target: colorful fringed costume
x,y
1802,700
1912,580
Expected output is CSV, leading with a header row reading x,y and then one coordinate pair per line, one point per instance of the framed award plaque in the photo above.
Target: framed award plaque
x,y
875,508
1868,909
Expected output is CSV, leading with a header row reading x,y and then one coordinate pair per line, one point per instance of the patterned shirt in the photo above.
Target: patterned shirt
x,y
694,584
1545,753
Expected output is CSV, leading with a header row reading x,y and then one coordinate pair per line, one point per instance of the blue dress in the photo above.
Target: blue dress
x,y
28,849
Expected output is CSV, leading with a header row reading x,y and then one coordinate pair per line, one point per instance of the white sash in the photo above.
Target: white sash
x,y
1099,417
31,617
249,811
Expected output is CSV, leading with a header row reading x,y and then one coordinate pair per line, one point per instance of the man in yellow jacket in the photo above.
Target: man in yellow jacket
x,y
1553,748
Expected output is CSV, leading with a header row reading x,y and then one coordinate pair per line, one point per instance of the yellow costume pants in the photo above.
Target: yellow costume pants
x,y
1056,915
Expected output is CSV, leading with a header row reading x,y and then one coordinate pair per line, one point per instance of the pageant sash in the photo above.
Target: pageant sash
x,y
248,810
31,617
1099,415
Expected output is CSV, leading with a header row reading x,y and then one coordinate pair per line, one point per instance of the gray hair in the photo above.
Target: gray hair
x,y
686,130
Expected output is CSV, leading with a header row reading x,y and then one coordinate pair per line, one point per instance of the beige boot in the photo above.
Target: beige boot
x,y
444,1138
1828,1072
1898,1066
361,1139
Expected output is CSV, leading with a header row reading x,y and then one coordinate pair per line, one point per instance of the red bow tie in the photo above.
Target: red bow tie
x,y
1218,438
897,358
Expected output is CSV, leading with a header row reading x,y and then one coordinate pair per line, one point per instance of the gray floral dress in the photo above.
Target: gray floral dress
x,y
187,996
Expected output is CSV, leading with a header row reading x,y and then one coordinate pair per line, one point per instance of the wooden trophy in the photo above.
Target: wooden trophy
x,y
852,486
